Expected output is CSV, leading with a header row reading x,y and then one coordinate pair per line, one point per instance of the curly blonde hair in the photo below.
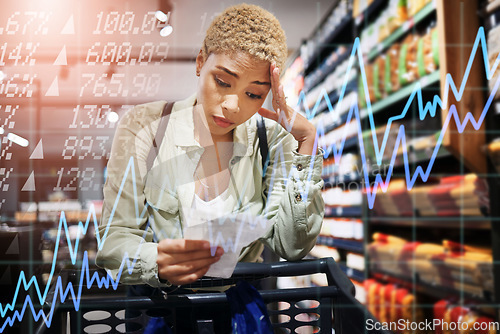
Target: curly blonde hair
x,y
247,28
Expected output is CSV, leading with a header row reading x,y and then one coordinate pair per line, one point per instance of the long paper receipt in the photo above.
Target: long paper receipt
x,y
232,233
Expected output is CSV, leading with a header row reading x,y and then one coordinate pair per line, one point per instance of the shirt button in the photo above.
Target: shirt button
x,y
299,167
298,197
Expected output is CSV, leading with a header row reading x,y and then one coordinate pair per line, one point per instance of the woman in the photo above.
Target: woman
x,y
209,161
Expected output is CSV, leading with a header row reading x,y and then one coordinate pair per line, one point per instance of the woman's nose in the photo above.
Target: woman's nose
x,y
230,103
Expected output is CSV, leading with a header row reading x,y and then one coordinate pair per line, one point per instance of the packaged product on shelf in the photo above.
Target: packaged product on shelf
x,y
347,168
421,201
391,303
355,261
360,294
361,93
473,192
414,6
396,14
465,195
380,61
471,321
385,252
376,89
493,5
385,295
370,36
462,268
369,81
372,288
399,193
318,280
359,6
493,53
342,228
452,265
338,137
392,69
321,251
382,26
420,144
369,142
442,201
428,53
407,65
387,203
378,209
402,11
423,256
391,21
481,258
391,140
494,153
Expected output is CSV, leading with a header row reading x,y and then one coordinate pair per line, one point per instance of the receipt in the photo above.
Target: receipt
x,y
232,233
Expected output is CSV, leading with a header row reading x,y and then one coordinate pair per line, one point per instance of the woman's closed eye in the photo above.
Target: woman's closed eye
x,y
254,96
221,83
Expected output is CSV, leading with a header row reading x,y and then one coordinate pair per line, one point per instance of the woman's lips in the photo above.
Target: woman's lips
x,y
222,122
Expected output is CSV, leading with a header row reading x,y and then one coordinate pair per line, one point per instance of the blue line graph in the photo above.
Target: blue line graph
x,y
429,109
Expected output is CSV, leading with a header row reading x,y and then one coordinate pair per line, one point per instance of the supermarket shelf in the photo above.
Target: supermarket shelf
x,y
368,12
432,290
353,273
478,223
332,181
326,70
332,126
405,27
342,211
334,96
348,145
404,92
421,156
349,245
319,48
417,157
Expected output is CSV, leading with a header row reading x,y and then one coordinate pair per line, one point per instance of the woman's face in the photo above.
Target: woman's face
x,y
231,89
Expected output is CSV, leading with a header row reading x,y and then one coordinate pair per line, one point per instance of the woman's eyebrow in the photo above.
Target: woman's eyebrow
x,y
228,71
237,76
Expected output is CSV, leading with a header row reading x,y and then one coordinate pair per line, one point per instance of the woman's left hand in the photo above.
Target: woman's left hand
x,y
298,126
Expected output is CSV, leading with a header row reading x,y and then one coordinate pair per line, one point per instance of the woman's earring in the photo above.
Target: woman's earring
x,y
197,73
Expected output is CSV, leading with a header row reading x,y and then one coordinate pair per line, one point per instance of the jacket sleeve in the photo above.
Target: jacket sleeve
x,y
292,193
126,248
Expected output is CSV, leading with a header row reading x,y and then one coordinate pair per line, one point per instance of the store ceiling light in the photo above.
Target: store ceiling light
x,y
113,117
161,16
167,30
18,139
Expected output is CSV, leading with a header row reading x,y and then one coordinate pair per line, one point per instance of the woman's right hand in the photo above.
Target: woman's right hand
x,y
182,261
